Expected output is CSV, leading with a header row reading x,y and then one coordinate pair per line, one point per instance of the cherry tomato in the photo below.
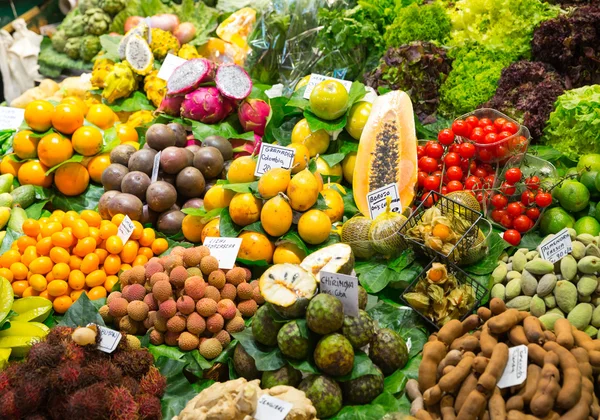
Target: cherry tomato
x,y
428,164
499,201
434,150
460,128
473,120
511,127
488,168
480,172
444,190
454,173
452,159
420,151
507,189
533,213
513,175
501,151
477,135
515,209
446,137
421,178
432,183
427,199
507,221
498,214
454,148
490,138
438,174
522,223
533,182
488,181
517,143
543,199
503,134
455,186
489,129
467,150
472,166
499,123
482,196
527,198
484,122
512,237
484,155
473,183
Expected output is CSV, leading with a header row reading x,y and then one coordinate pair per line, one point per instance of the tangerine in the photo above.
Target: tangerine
x,y
191,227
33,172
54,149
87,140
74,100
61,304
38,115
72,179
97,165
67,118
25,145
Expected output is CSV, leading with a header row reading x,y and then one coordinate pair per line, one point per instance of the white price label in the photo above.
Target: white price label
x,y
155,167
109,339
11,118
169,65
271,408
377,200
515,371
343,287
556,248
125,229
225,250
315,79
272,156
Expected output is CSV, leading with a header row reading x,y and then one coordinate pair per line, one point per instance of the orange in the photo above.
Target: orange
x,y
72,179
19,287
73,100
61,271
24,145
76,294
67,118
54,149
127,133
38,115
31,227
87,140
91,217
9,257
97,292
69,218
159,246
90,263
76,280
7,274
29,255
147,252
59,255
62,304
148,236
107,230
29,292
129,252
38,282
44,246
101,116
41,265
84,247
95,278
49,228
61,239
139,260
138,229
114,245
117,219
112,264
102,254
80,229
192,228
110,283
24,241
97,165
9,166
75,262
19,270
33,172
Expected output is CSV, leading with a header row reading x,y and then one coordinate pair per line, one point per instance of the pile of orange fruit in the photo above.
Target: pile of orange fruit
x,y
57,134
67,254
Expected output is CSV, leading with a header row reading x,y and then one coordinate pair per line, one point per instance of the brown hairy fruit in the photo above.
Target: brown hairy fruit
x,y
258,298
160,322
194,271
162,291
186,305
195,287
236,276
223,337
195,323
187,341
128,325
235,325
149,407
214,323
213,293
217,279
228,292
121,403
172,261
156,277
134,292
156,337
167,309
192,257
153,267
135,275
112,296
226,307
153,383
206,307
176,323
248,307
151,302
209,264
210,348
171,338
137,310
244,291
118,307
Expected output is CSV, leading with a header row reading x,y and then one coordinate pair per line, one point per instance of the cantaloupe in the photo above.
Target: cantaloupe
x,y
387,152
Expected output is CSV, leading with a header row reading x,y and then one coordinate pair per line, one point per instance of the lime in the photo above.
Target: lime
x,y
588,179
590,210
554,220
590,162
587,224
573,196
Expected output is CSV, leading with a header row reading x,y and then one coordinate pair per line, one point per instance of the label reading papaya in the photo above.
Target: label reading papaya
x,y
377,200
109,339
225,250
155,167
343,287
515,371
169,65
125,229
271,408
315,79
11,118
272,156
556,248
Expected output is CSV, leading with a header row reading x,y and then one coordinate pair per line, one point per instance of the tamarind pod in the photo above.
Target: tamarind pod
x,y
564,333
497,406
515,403
473,406
467,386
416,405
433,395
552,415
449,382
423,415
452,358
484,313
488,380
504,322
584,340
581,409
583,359
533,330
450,332
595,407
412,389
470,323
518,415
485,415
433,353
447,408
476,334
594,358
550,336
523,315
536,354
433,337
531,383
487,341
517,336
465,343
497,306
447,370
480,363
547,388
570,393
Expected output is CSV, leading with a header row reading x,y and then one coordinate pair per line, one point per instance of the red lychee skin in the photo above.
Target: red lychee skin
x,y
151,302
248,274
150,408
214,323
186,305
226,308
153,383
153,267
121,404
134,292
167,309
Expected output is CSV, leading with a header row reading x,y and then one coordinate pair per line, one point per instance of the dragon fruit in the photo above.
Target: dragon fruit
x,y
139,56
189,75
206,105
246,147
171,105
141,30
233,81
253,114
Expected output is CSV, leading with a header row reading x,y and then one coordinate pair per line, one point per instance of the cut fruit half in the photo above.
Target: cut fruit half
x,y
336,258
288,287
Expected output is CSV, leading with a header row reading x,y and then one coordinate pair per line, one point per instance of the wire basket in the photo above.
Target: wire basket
x,y
447,207
479,290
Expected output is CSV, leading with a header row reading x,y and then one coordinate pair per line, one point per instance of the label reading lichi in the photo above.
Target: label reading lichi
x,y
225,250
273,156
315,79
377,200
343,287
556,248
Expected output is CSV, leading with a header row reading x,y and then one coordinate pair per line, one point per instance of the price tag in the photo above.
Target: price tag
x,y
271,408
109,339
225,250
343,287
155,167
377,200
273,156
556,248
315,79
125,229
169,65
515,371
11,118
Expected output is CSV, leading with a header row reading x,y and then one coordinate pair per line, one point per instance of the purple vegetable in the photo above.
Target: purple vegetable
x,y
189,75
253,114
206,105
171,105
233,81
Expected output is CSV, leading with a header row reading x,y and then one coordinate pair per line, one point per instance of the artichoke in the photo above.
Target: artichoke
x,y
112,7
98,22
72,47
85,5
59,40
90,46
119,83
76,26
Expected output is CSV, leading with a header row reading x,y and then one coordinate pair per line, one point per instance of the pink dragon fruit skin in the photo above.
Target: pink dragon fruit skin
x,y
171,105
246,147
253,114
206,105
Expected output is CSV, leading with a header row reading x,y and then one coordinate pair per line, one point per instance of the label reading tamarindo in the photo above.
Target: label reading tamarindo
x,y
556,248
515,371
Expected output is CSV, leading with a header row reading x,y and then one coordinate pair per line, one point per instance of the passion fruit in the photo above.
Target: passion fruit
x,y
210,161
220,143
180,134
274,182
160,136
190,182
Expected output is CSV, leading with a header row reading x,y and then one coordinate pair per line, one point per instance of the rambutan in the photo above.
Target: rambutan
x,y
134,363
8,406
44,354
132,385
32,394
150,408
58,335
121,404
73,353
67,377
153,383
103,370
88,403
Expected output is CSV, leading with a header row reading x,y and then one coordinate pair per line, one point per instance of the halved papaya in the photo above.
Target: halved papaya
x,y
387,152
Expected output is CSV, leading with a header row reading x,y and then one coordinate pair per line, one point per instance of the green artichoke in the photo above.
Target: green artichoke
x,y
112,7
59,40
90,46
76,26
85,5
98,22
72,47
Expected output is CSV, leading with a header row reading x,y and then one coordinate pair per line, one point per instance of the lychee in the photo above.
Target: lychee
x,y
162,291
217,279
194,271
128,325
188,341
236,276
178,276
118,307
171,338
167,309
223,337
134,292
176,324
226,308
153,267
149,321
103,311
248,274
135,275
247,307
151,302
209,264
195,323
137,310
192,257
235,325
156,337
206,307
178,250
229,291
244,291
195,287
257,296
172,261
160,322
133,342
214,323
156,277
186,305
212,292
210,348
112,296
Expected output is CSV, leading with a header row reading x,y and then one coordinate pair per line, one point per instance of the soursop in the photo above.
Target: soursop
x,y
112,7
72,47
90,46
59,40
75,27
98,22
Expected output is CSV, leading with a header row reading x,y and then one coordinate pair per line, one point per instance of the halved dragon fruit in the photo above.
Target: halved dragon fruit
x,y
141,29
253,114
171,105
233,81
189,75
206,105
139,55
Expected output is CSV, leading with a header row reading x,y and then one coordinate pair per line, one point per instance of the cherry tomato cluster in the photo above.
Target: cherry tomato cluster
x,y
493,140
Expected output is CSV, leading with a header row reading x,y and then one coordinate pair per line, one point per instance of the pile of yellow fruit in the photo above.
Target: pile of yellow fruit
x,y
67,254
